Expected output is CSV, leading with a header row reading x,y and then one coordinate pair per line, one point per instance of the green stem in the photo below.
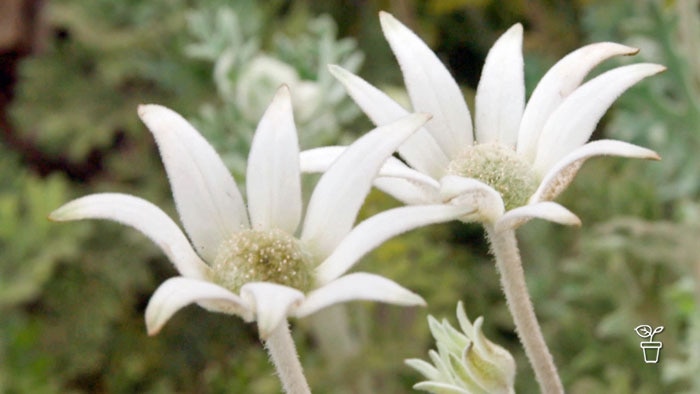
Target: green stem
x,y
504,247
283,353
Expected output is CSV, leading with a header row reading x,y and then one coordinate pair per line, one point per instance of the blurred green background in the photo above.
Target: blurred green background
x,y
72,296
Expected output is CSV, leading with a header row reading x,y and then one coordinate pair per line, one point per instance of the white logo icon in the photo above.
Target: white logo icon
x,y
651,348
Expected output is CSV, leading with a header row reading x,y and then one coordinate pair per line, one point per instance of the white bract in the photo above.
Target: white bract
x,y
252,262
516,158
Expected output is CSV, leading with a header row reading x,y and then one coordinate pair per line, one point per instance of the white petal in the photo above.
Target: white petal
x,y
176,293
319,160
423,153
143,216
395,168
395,178
379,107
563,172
408,191
374,231
271,302
273,178
356,287
431,87
207,198
573,122
485,202
565,76
500,96
420,150
341,190
546,210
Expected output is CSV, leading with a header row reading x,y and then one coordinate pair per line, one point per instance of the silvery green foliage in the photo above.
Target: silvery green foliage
x,y
465,362
249,64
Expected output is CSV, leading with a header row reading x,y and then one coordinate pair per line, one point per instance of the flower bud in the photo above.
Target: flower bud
x,y
465,362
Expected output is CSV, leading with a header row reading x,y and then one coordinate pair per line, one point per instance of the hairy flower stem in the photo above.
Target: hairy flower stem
x,y
283,353
504,247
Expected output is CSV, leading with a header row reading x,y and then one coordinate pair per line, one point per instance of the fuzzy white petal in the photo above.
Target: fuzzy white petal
x,y
355,287
395,168
561,174
271,302
573,122
420,150
319,160
211,207
337,198
395,178
485,202
143,216
431,87
176,293
273,177
546,210
377,229
562,79
500,96
408,191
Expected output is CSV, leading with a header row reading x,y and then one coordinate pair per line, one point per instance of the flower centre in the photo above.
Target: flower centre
x,y
499,167
262,256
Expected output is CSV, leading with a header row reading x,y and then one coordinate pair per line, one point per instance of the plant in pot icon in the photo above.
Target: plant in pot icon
x,y
650,348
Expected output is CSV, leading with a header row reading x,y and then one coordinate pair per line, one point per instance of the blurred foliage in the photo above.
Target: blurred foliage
x,y
102,59
73,295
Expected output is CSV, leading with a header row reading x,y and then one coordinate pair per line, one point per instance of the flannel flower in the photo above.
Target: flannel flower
x,y
251,262
516,158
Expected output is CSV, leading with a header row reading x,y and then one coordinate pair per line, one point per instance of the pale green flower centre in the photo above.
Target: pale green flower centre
x,y
263,256
499,167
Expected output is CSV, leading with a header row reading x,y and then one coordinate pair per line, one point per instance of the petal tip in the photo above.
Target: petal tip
x,y
144,110
282,91
425,115
387,21
151,331
337,72
61,214
516,28
153,327
661,68
571,219
55,216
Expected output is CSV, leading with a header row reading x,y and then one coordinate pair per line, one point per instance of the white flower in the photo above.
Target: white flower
x,y
517,158
249,262
465,362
